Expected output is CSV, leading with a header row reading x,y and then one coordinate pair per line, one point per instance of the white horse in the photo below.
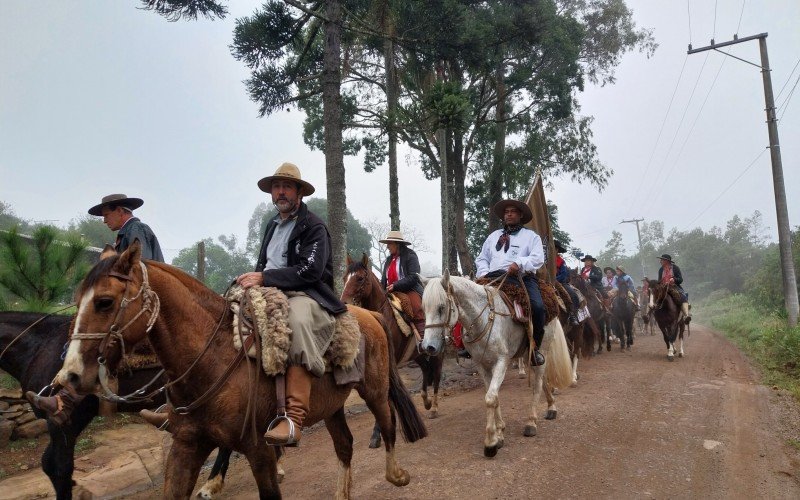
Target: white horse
x,y
492,338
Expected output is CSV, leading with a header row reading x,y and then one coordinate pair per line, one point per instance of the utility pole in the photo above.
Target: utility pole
x,y
639,234
784,234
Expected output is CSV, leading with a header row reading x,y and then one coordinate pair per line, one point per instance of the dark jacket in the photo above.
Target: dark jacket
x,y
676,273
309,261
409,270
134,230
596,279
562,272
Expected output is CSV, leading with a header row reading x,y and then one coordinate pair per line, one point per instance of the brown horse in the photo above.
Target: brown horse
x,y
210,387
362,288
598,313
667,313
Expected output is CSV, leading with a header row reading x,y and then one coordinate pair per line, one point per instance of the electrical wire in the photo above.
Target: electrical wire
x,y
740,17
727,188
789,79
714,30
689,11
785,104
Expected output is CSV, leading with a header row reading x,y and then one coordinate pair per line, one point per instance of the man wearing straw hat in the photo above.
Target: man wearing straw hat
x,y
296,255
401,274
517,251
670,274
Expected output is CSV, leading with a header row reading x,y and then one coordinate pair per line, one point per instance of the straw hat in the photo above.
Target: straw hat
x,y
395,237
499,209
119,200
287,171
620,268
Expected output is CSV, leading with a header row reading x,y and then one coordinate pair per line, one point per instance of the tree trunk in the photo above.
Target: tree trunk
x,y
392,92
498,160
459,196
445,198
332,119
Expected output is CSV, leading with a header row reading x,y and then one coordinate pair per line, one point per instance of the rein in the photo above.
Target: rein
x,y
23,332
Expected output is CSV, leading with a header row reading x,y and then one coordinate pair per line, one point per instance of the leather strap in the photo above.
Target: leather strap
x,y
280,393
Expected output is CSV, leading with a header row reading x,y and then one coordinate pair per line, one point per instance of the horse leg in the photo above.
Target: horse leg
x,y
436,375
183,466
216,480
265,471
521,367
493,380
552,411
375,440
670,351
574,369
58,459
680,353
385,418
343,444
531,424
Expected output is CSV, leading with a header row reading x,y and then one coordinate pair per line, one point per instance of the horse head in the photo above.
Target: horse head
x,y
441,313
360,283
116,309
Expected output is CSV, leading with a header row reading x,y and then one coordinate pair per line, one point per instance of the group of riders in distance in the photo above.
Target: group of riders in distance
x,y
296,257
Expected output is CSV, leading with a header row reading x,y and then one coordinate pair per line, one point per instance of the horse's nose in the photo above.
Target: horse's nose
x,y
431,350
74,380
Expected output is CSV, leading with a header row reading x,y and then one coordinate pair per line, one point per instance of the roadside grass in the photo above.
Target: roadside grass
x,y
762,335
21,444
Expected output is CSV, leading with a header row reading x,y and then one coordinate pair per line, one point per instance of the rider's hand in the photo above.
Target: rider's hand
x,y
247,280
390,288
672,280
513,268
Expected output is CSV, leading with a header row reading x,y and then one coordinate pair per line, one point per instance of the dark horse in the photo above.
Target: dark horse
x,y
623,310
362,288
596,310
34,359
217,394
667,313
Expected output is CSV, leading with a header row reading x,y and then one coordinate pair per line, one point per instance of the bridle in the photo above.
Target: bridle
x,y
114,336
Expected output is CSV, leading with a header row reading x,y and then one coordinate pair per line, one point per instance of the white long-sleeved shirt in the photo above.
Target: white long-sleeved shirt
x,y
525,249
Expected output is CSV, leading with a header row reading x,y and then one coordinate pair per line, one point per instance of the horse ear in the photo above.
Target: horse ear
x,y
446,279
349,260
424,281
365,260
129,258
108,251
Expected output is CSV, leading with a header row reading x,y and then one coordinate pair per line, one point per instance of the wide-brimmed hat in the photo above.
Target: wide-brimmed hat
x,y
119,200
666,256
499,209
395,237
607,268
290,172
559,246
645,279
588,257
620,268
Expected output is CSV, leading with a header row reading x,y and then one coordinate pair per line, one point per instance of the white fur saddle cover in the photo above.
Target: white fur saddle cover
x,y
269,311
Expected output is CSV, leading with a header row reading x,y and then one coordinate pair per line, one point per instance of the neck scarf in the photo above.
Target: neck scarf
x,y
391,273
504,241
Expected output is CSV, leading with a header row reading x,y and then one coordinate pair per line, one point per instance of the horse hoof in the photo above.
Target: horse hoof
x,y
433,413
490,451
500,443
530,431
427,403
671,358
680,354
551,415
401,480
375,443
628,348
574,383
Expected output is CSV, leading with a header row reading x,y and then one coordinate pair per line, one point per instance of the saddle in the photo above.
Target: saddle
x,y
267,311
515,297
403,313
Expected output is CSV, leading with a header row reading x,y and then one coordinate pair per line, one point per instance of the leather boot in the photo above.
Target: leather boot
x,y
686,313
298,393
59,407
158,418
537,359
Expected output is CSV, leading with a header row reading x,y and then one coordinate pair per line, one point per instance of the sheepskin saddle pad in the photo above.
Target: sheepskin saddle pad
x,y
268,309
515,297
401,307
140,358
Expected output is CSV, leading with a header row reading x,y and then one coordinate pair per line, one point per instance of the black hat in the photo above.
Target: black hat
x,y
119,200
666,256
499,208
559,247
607,268
588,257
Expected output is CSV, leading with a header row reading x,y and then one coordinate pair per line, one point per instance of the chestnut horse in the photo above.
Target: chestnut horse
x,y
31,345
667,313
218,397
362,288
596,310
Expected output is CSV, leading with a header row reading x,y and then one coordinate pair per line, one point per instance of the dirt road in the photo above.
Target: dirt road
x,y
637,426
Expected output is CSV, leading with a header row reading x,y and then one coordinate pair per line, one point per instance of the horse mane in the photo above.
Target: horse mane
x,y
203,293
356,266
99,270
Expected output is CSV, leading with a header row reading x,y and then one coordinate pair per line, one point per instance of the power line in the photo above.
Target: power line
x,y
660,131
727,188
788,98
689,11
789,79
714,30
677,130
740,17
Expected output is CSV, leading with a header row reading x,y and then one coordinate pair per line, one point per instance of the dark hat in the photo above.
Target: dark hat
x,y
559,247
608,269
287,171
588,257
645,279
500,207
119,200
666,256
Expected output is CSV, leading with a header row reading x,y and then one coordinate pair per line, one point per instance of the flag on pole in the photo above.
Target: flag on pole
x,y
541,224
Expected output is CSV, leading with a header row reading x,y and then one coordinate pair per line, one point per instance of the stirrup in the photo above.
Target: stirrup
x,y
291,440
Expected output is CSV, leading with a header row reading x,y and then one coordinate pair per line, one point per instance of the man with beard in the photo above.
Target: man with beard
x,y
296,255
518,251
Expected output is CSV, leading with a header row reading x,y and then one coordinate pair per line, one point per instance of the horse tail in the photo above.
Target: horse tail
x,y
558,367
411,423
